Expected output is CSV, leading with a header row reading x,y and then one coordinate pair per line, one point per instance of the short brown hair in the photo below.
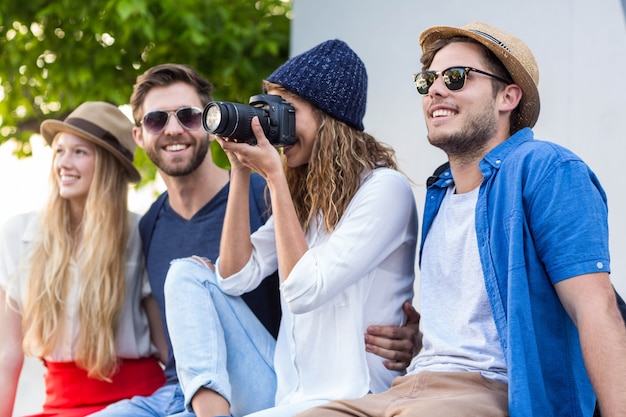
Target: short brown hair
x,y
164,75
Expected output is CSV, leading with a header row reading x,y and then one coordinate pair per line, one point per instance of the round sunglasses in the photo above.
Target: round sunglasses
x,y
454,78
189,117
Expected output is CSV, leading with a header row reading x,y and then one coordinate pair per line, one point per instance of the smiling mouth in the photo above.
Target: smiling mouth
x,y
443,113
175,147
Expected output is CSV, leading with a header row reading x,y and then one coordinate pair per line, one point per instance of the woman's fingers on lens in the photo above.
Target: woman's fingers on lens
x,y
257,129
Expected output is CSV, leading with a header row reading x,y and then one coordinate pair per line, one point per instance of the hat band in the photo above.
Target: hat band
x,y
100,133
491,38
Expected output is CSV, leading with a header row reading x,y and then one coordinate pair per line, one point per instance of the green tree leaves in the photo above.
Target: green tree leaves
x,y
56,54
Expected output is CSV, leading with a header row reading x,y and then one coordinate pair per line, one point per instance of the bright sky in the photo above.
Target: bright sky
x,y
25,180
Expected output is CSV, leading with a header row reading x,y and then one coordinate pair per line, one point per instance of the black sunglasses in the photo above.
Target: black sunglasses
x,y
454,78
189,117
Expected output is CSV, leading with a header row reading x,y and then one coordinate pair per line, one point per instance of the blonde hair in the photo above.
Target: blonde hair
x,y
332,177
99,250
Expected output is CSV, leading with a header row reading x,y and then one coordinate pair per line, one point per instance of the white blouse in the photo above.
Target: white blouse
x,y
356,276
17,238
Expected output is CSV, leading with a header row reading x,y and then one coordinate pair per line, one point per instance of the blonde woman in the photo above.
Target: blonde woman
x,y
73,290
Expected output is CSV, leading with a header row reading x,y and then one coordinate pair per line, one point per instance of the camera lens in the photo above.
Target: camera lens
x,y
212,118
231,120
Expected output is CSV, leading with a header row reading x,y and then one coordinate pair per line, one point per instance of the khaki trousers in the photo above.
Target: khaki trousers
x,y
426,394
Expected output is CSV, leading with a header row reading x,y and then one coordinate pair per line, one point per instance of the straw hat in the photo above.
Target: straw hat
x,y
103,124
514,54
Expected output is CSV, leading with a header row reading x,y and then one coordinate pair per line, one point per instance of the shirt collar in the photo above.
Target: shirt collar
x,y
502,151
443,176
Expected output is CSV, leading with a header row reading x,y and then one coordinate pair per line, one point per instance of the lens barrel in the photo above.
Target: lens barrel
x,y
231,120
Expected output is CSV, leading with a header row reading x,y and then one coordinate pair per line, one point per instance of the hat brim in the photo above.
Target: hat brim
x,y
529,105
50,128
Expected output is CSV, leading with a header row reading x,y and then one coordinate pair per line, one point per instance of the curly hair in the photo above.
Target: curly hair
x,y
340,155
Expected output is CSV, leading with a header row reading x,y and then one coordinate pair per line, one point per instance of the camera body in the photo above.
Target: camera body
x,y
232,120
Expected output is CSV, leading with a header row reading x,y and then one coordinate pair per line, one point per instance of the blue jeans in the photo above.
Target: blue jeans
x,y
166,401
218,342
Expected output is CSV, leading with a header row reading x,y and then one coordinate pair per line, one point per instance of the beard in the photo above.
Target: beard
x,y
471,140
178,167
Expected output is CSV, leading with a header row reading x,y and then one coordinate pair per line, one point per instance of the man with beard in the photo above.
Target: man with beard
x,y
187,219
518,313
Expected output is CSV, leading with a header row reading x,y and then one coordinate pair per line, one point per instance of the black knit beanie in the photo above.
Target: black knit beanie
x,y
332,77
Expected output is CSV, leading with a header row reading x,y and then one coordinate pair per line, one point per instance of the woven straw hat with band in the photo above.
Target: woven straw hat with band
x,y
514,54
104,125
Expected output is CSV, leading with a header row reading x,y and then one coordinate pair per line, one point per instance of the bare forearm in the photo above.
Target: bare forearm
x,y
590,301
11,354
9,377
604,349
157,333
290,242
235,246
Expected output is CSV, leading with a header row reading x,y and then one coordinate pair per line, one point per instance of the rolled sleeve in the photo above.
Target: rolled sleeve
x,y
235,284
300,292
261,263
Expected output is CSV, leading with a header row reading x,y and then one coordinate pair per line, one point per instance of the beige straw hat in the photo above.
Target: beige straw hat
x,y
103,124
514,54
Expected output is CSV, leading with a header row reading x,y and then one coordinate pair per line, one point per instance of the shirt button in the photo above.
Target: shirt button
x,y
599,265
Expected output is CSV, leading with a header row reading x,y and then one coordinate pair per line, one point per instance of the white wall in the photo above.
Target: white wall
x,y
579,45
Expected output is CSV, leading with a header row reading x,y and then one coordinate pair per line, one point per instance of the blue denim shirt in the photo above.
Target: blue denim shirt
x,y
541,217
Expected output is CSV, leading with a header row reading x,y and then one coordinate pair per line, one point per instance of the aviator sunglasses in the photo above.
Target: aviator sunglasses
x,y
454,78
189,117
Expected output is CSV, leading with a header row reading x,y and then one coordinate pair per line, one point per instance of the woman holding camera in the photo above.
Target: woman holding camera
x,y
72,278
345,260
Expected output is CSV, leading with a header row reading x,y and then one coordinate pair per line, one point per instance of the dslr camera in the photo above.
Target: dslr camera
x,y
232,120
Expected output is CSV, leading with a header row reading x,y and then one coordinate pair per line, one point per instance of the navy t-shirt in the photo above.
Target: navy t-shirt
x,y
167,236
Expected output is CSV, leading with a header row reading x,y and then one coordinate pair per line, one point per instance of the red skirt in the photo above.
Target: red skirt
x,y
70,393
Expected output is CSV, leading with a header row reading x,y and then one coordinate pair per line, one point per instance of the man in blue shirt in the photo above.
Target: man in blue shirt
x,y
186,220
518,313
